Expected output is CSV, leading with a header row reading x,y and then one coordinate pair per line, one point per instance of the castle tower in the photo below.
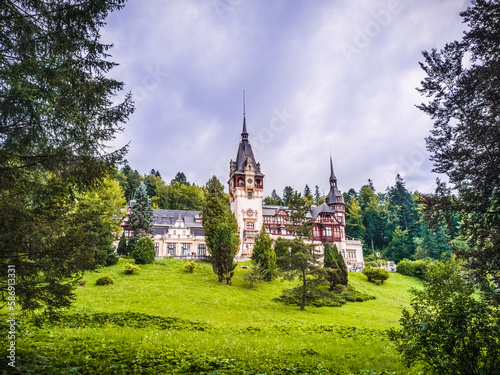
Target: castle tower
x,y
246,189
335,201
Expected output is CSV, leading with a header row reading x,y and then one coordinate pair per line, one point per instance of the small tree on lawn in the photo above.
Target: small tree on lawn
x,y
263,254
122,245
302,260
221,230
335,266
144,251
141,217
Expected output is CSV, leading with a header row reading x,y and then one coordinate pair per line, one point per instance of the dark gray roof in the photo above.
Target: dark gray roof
x,y
168,217
244,151
323,208
334,192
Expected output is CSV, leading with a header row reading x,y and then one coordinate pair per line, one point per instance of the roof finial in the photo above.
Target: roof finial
x,y
243,103
332,175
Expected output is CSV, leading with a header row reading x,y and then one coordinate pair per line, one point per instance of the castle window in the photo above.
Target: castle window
x,y
202,249
185,249
316,231
249,195
250,225
171,248
157,249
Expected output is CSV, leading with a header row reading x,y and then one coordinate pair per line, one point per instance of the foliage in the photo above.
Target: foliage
x,y
281,247
101,336
376,275
354,219
131,268
179,196
462,84
140,221
288,194
144,251
335,266
57,122
105,280
263,254
122,245
414,268
257,273
180,178
129,180
448,330
319,297
398,248
221,231
303,259
190,266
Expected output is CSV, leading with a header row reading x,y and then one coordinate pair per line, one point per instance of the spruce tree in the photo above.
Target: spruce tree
x,y
221,230
335,266
263,254
141,217
122,245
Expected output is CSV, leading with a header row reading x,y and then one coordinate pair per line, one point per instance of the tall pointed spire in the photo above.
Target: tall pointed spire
x,y
244,134
332,175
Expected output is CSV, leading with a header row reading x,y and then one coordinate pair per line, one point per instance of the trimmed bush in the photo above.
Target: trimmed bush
x,y
415,268
190,266
82,282
131,268
376,275
144,251
105,280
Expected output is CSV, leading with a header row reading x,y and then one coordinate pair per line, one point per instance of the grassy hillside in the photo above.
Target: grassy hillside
x,y
206,327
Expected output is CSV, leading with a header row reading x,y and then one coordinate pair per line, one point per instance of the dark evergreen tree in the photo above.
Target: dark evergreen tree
x,y
398,248
180,177
317,196
335,266
144,251
140,221
302,260
221,230
263,254
281,247
276,198
288,193
462,84
57,120
122,245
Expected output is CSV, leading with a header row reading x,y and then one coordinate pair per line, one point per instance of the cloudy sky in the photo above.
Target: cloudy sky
x,y
320,77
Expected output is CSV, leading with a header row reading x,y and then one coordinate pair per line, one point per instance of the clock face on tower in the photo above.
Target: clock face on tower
x,y
249,181
249,213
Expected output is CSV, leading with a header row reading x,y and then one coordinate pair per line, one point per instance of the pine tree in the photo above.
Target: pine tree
x,y
302,260
263,254
140,221
221,230
335,266
317,195
122,245
354,219
59,115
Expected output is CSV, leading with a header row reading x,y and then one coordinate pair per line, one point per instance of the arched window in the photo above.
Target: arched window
x,y
249,225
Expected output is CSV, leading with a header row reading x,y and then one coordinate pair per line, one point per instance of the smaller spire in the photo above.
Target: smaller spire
x,y
332,175
244,134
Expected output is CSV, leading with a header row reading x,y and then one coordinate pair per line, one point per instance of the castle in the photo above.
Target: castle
x,y
179,233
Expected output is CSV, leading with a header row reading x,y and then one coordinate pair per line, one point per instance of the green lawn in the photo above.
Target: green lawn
x,y
242,330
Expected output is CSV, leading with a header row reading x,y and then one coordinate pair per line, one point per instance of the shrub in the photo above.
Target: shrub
x,y
144,251
82,282
131,268
415,268
105,280
376,275
190,266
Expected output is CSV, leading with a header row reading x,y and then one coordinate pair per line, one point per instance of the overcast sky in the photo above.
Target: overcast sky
x,y
320,76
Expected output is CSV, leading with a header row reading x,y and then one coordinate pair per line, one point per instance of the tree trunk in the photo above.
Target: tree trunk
x,y
303,304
